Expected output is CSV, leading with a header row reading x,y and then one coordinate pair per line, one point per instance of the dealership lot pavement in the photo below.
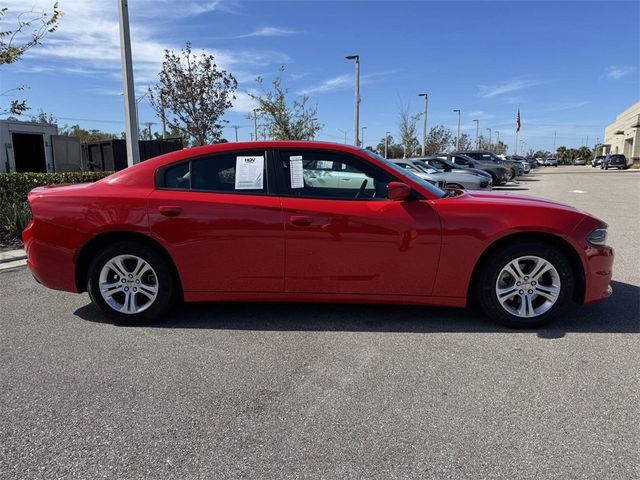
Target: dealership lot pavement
x,y
330,391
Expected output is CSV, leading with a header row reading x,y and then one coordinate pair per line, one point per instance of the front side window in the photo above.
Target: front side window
x,y
233,172
325,174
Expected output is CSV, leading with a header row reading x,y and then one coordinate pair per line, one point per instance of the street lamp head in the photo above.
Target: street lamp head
x,y
422,94
352,57
457,111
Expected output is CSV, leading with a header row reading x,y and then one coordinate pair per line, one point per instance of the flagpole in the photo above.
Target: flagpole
x,y
517,129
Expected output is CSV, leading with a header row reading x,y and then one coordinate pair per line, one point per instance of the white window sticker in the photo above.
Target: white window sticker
x,y
249,173
295,168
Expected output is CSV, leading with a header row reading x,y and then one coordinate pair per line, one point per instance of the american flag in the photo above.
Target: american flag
x,y
518,122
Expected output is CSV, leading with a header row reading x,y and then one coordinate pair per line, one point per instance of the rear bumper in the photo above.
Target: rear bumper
x,y
51,265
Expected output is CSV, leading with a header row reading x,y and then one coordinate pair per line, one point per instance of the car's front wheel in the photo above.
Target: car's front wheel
x,y
524,285
131,282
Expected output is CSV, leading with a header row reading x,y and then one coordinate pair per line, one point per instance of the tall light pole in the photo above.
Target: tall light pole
x,y
362,136
131,122
497,137
490,143
555,136
386,143
424,126
236,127
356,113
255,124
477,134
344,132
458,136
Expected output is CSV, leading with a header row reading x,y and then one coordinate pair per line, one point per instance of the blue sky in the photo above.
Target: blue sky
x,y
570,66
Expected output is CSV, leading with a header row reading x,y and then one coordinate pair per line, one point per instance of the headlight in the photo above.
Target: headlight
x,y
598,236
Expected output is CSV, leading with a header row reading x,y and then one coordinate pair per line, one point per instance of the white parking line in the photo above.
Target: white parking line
x,y
578,191
14,264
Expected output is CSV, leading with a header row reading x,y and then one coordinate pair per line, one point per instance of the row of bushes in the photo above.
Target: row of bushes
x,y
14,187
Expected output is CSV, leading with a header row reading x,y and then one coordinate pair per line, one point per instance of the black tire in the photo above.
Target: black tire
x,y
165,281
488,278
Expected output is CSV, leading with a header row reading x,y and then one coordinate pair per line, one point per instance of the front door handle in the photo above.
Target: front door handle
x,y
170,211
301,220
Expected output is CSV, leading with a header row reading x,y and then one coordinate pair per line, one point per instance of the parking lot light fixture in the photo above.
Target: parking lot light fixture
x,y
490,142
497,137
424,126
458,136
362,136
356,113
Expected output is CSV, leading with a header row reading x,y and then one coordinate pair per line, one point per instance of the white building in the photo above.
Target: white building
x,y
26,146
623,135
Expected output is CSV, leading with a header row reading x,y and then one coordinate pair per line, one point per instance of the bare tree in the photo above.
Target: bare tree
x,y
35,24
439,140
284,121
193,95
408,132
465,142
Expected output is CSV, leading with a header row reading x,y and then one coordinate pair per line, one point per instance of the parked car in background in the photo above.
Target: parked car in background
x,y
551,162
240,222
445,165
597,161
486,156
522,161
533,163
580,161
500,174
540,161
462,180
615,160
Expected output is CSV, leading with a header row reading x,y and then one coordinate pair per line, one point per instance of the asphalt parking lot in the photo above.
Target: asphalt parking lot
x,y
330,391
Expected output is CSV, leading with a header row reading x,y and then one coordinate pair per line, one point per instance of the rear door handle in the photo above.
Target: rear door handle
x,y
170,211
301,220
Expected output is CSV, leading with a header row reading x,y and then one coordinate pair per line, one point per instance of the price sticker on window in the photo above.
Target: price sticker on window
x,y
296,171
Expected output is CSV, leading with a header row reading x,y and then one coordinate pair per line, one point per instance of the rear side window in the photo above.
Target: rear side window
x,y
234,172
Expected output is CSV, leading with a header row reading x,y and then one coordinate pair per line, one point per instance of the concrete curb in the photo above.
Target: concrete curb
x,y
12,256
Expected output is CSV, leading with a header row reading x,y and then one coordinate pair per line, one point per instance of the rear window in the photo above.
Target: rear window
x,y
233,172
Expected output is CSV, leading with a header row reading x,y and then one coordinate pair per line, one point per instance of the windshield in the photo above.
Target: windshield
x,y
425,167
403,172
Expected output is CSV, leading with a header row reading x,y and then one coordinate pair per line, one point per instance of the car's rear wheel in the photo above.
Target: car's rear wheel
x,y
131,282
524,285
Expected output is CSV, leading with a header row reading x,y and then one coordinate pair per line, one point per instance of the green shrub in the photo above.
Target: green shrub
x,y
15,186
15,213
14,218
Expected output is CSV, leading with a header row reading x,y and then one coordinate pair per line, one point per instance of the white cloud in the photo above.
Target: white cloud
x,y
488,91
616,72
244,103
335,83
87,41
344,81
269,32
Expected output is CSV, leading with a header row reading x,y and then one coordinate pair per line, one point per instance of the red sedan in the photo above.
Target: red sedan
x,y
309,222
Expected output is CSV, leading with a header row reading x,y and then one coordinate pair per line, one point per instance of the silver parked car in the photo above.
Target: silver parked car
x,y
463,180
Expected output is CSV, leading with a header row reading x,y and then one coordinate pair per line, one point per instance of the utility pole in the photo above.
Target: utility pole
x,y
148,124
344,132
424,126
586,143
255,124
131,122
356,113
490,143
362,137
458,136
386,143
236,127
555,135
477,134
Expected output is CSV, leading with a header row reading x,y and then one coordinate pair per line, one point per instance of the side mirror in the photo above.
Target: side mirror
x,y
398,191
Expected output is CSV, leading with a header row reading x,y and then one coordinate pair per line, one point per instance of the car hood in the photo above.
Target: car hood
x,y
515,199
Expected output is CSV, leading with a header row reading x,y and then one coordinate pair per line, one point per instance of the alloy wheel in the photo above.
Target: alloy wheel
x,y
128,284
528,286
